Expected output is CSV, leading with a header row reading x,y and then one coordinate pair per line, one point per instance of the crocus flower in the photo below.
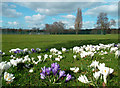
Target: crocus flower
x,y
96,75
31,70
50,56
13,62
42,75
74,56
68,77
83,79
39,57
48,70
94,64
38,49
33,50
46,49
63,49
43,69
61,73
8,77
75,69
55,67
57,59
7,65
106,71
55,70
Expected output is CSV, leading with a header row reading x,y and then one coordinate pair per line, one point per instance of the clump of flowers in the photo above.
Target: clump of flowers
x,y
54,75
99,72
1,53
8,77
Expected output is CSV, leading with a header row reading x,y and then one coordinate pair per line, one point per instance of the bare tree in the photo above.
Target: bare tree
x,y
78,21
112,22
56,27
102,21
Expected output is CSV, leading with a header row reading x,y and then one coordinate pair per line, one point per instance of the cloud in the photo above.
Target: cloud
x,y
9,11
55,8
88,24
109,9
69,16
37,26
35,19
13,23
1,21
54,0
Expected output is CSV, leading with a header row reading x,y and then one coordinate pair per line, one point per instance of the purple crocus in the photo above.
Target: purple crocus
x,y
46,49
48,70
115,45
68,77
55,67
18,51
42,76
54,71
15,52
29,52
52,65
61,73
43,69
33,50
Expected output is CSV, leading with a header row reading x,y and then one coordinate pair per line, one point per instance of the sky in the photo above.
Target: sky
x,y
26,15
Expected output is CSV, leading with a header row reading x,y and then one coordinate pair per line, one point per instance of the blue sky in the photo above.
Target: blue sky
x,y
36,14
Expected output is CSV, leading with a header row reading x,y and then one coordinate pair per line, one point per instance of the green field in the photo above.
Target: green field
x,y
46,41
24,78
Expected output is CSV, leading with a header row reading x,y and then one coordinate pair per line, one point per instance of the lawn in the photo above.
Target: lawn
x,y
45,42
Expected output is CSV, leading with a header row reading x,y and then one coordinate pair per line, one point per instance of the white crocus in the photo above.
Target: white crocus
x,y
39,57
101,65
31,70
13,62
7,65
94,64
19,60
74,56
50,56
2,65
106,71
96,75
63,49
57,59
8,77
59,52
75,69
45,57
83,79
117,53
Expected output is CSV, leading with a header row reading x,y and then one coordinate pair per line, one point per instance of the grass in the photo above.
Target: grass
x,y
46,41
24,78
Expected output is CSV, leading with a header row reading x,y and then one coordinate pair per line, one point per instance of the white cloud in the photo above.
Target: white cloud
x,y
109,9
35,19
54,1
45,11
8,11
1,21
13,23
69,16
55,8
88,24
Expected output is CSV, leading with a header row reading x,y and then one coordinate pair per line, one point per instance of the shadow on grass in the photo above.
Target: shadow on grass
x,y
71,44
